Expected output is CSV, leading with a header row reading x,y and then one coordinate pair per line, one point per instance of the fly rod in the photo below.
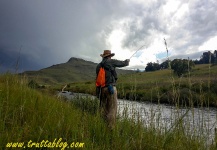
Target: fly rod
x,y
136,51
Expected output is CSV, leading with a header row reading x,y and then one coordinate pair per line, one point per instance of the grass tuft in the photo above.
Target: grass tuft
x,y
27,114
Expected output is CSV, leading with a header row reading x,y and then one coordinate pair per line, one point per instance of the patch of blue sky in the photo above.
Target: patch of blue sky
x,y
138,54
161,55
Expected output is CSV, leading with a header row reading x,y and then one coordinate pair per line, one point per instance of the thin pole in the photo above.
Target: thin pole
x,y
136,51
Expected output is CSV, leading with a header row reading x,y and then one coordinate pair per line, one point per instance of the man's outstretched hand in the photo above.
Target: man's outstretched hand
x,y
128,60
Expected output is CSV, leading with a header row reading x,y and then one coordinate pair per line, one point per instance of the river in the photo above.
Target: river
x,y
197,121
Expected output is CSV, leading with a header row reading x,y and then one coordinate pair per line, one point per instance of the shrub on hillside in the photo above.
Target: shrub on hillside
x,y
33,84
181,66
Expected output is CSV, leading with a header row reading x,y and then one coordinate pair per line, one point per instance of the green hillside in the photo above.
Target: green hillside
x,y
75,70
198,87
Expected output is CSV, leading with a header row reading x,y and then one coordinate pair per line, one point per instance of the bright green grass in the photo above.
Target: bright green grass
x,y
27,114
198,87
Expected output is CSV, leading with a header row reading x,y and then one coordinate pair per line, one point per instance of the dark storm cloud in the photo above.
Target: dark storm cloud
x,y
16,61
52,31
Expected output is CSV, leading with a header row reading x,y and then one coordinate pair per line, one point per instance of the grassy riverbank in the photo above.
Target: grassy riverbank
x,y
29,116
196,88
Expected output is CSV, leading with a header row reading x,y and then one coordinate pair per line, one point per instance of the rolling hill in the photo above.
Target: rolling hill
x,y
74,70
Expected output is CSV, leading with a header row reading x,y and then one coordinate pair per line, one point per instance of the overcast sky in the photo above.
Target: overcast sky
x,y
41,33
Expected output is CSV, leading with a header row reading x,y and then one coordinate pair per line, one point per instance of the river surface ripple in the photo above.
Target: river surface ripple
x,y
197,121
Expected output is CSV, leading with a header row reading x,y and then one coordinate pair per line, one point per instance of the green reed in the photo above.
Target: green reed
x,y
28,114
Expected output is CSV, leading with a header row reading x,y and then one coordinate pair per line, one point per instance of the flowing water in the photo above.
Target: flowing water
x,y
197,121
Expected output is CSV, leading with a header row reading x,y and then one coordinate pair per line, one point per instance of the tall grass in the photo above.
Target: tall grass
x,y
27,114
159,86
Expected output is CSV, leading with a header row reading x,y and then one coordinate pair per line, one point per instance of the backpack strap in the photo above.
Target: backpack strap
x,y
113,72
103,62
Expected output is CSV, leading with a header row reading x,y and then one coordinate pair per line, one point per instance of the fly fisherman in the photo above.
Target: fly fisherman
x,y
108,93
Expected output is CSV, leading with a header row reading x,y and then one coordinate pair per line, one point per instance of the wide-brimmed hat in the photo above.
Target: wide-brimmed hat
x,y
107,53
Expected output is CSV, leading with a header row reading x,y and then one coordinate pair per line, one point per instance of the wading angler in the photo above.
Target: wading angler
x,y
106,85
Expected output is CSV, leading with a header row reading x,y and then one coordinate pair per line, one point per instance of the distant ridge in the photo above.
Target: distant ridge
x,y
74,59
74,70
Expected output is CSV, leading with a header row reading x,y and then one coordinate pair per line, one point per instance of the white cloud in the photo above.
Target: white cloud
x,y
85,29
211,44
170,7
184,8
